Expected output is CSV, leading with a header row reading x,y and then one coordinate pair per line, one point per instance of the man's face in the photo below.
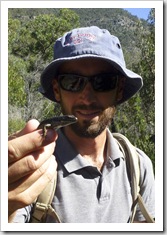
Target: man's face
x,y
93,109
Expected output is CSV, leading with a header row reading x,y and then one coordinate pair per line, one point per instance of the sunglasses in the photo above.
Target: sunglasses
x,y
76,83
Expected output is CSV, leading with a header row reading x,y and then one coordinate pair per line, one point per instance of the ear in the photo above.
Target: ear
x,y
120,88
56,89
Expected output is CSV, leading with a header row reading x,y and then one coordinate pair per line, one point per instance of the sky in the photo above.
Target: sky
x,y
139,12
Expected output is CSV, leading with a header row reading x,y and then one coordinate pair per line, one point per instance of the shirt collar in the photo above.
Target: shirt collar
x,y
73,161
68,155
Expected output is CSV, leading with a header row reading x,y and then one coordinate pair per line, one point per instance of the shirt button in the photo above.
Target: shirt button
x,y
110,163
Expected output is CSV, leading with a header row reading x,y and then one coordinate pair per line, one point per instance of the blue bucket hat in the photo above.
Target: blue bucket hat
x,y
89,42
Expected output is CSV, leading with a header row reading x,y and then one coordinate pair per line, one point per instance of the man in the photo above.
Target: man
x,y
88,77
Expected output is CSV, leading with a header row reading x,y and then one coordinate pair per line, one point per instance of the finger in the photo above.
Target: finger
x,y
29,163
25,182
28,194
23,145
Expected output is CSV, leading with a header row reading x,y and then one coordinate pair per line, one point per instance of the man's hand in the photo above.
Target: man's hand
x,y
31,165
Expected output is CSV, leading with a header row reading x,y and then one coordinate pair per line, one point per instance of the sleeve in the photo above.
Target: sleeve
x,y
147,185
23,215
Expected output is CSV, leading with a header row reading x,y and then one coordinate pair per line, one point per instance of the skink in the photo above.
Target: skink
x,y
56,123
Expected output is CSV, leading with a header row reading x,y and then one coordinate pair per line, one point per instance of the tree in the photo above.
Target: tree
x,y
16,89
30,49
135,118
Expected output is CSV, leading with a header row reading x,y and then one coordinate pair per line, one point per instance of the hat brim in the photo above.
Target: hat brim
x,y
133,81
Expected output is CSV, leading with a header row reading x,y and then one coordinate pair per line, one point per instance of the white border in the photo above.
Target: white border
x,y
81,4
158,5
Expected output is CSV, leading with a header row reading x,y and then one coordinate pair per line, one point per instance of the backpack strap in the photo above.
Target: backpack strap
x,y
43,206
133,170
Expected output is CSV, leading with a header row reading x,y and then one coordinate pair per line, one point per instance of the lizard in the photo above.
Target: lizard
x,y
56,123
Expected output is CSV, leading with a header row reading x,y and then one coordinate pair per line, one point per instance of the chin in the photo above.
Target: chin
x,y
88,131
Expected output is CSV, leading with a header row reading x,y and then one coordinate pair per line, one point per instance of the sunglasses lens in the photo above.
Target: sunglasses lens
x,y
72,82
104,82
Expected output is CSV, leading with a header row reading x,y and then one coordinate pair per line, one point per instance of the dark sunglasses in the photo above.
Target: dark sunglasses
x,y
76,83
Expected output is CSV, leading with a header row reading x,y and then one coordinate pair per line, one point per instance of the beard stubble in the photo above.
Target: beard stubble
x,y
91,128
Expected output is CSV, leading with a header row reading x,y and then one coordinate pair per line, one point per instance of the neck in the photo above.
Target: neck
x,y
92,149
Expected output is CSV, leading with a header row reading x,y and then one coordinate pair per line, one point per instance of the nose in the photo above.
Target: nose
x,y
88,94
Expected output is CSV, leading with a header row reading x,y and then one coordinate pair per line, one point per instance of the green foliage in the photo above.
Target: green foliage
x,y
15,125
136,117
50,109
31,39
37,35
16,85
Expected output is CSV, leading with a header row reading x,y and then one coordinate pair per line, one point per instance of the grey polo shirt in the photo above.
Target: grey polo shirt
x,y
86,195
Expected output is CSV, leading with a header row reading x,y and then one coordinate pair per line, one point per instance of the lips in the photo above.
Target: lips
x,y
87,114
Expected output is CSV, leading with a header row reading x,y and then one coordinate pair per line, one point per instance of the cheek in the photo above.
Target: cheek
x,y
107,99
68,97
67,101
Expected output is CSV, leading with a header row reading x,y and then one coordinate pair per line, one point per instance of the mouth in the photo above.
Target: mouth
x,y
87,114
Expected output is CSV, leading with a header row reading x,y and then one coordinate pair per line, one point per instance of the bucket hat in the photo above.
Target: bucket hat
x,y
89,42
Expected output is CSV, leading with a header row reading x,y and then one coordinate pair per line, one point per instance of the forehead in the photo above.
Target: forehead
x,y
87,66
